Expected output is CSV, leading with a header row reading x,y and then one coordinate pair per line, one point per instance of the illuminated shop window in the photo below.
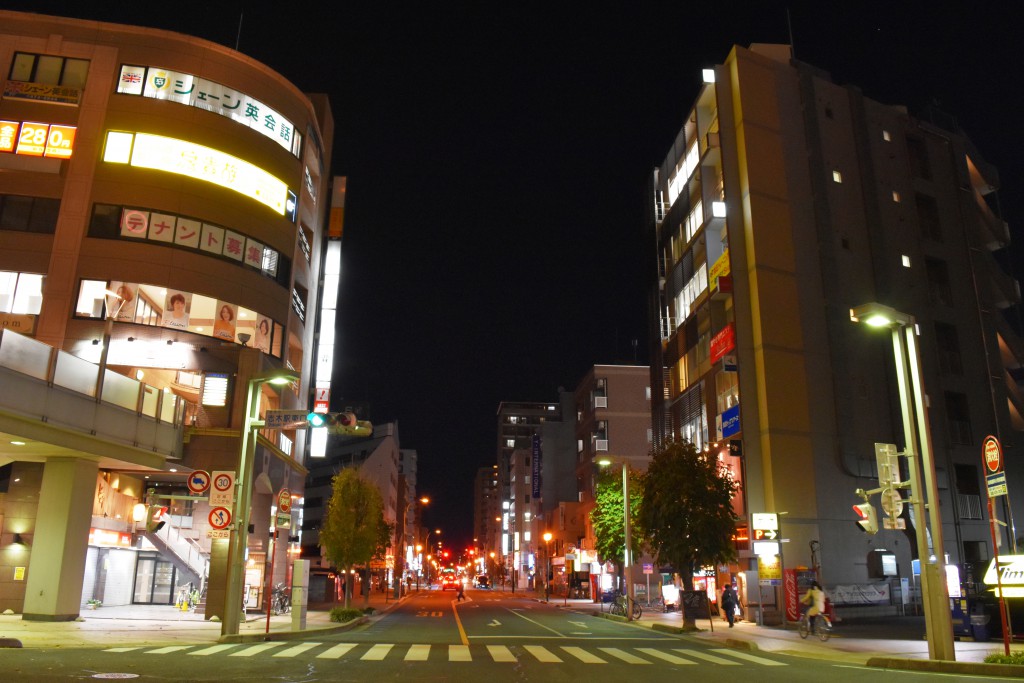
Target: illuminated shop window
x,y
21,293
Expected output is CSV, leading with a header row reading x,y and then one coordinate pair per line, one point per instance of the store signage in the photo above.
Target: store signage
x,y
143,150
110,539
18,322
995,477
719,269
29,138
731,421
321,399
286,419
536,468
769,570
183,88
723,342
284,500
42,92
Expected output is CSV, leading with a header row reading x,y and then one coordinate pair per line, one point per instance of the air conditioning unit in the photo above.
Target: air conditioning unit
x,y
601,445
600,401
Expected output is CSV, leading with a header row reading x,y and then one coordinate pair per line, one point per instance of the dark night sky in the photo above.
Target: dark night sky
x,y
497,160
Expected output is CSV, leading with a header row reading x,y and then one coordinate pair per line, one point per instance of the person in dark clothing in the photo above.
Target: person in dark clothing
x,y
461,595
728,604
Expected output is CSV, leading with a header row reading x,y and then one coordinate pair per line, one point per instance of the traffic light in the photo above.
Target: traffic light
x,y
155,518
868,517
736,448
344,424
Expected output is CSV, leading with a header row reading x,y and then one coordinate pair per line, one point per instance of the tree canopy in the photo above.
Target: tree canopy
x,y
353,521
687,509
608,516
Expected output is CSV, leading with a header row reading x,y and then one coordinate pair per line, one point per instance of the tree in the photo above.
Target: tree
x,y
687,510
608,517
352,524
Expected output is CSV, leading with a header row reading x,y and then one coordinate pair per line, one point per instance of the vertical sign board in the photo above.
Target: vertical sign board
x,y
536,466
995,477
222,488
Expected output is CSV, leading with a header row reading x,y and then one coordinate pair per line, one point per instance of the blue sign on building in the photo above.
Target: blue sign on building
x,y
731,421
536,466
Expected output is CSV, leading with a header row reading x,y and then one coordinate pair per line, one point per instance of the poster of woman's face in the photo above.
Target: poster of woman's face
x,y
176,307
262,334
121,306
224,321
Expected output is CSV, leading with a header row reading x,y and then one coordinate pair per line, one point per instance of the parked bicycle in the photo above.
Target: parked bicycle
x,y
618,607
821,626
280,599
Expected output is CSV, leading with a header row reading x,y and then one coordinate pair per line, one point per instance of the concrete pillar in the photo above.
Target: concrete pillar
x,y
53,591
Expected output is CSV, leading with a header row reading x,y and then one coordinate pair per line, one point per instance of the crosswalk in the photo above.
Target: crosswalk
x,y
421,652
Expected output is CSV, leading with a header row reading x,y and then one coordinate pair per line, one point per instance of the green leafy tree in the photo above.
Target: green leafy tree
x,y
687,510
352,524
608,517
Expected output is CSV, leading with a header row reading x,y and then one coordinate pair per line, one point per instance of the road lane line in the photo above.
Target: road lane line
x,y
582,655
377,652
168,649
700,654
123,649
296,649
664,655
417,653
459,653
255,649
748,657
623,655
536,623
500,653
543,654
458,622
213,649
336,651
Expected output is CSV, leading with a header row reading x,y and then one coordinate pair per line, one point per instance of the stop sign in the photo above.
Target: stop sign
x,y
992,453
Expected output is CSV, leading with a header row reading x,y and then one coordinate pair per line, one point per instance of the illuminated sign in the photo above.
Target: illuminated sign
x,y
106,537
723,342
34,139
173,86
721,268
143,150
42,92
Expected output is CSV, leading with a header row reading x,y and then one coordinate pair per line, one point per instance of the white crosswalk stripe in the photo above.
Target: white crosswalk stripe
x,y
748,657
421,652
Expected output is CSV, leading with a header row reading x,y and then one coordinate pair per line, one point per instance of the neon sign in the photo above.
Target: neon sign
x,y
30,138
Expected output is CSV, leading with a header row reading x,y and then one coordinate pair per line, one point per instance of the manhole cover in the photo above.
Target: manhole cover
x,y
115,675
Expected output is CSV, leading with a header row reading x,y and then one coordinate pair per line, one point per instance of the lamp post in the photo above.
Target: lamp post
x,y
916,429
243,498
547,566
627,560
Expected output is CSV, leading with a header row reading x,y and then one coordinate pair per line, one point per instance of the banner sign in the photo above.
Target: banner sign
x,y
536,466
723,342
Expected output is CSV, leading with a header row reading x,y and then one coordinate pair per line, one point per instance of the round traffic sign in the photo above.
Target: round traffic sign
x,y
220,518
892,502
222,482
199,481
284,500
992,454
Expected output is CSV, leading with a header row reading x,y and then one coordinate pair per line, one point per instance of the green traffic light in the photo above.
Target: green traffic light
x,y
316,419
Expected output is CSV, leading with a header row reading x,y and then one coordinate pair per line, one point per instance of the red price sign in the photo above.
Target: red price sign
x,y
992,454
284,500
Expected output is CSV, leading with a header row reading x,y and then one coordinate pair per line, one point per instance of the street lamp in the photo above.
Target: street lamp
x,y
627,553
547,569
937,616
243,497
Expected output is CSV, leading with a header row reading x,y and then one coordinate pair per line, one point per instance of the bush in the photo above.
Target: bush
x,y
345,614
1015,657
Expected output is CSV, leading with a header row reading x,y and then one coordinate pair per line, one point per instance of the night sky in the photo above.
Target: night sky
x,y
497,161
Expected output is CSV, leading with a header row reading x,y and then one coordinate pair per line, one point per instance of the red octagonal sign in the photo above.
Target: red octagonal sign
x,y
992,453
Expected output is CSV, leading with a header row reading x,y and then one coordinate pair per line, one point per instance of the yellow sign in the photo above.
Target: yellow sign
x,y
1011,571
769,568
720,268
17,322
19,573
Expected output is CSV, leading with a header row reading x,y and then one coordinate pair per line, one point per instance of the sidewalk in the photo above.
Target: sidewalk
x,y
148,625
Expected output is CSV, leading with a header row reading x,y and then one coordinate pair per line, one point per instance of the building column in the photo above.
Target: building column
x,y
53,590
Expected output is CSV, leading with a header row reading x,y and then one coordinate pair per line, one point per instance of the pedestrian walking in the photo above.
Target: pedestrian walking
x,y
461,595
728,604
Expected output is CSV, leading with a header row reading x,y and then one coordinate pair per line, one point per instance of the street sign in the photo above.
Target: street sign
x,y
766,521
218,533
286,419
890,523
199,481
996,484
648,568
995,477
222,490
283,521
892,502
220,518
284,500
888,464
321,400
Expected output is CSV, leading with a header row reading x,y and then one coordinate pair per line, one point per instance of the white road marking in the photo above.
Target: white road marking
x,y
296,650
336,651
748,657
459,653
666,656
542,654
623,655
417,653
582,655
699,654
500,653
168,649
255,649
213,649
378,652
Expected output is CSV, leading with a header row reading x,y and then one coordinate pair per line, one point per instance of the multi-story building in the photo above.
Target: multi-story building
x,y
785,201
486,507
162,222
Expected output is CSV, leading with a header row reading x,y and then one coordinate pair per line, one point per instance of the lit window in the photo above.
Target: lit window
x,y
906,261
718,209
708,75
215,390
896,196
510,443
837,176
886,136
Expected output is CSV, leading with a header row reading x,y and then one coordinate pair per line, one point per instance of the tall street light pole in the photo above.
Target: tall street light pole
x,y
238,543
627,554
916,429
547,566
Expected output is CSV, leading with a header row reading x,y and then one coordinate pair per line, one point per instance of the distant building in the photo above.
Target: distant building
x,y
486,508
785,201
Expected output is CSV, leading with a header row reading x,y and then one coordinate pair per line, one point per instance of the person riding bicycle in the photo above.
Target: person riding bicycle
x,y
815,597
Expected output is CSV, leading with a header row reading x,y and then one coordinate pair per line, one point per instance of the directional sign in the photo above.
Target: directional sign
x,y
765,534
284,500
766,521
222,491
199,481
286,419
220,517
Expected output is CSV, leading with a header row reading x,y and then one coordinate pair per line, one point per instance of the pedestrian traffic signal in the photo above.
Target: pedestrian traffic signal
x,y
868,517
155,518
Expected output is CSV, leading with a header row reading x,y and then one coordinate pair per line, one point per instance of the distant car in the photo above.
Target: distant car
x,y
482,581
449,582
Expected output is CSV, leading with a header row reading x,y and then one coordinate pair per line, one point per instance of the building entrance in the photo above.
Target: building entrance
x,y
154,581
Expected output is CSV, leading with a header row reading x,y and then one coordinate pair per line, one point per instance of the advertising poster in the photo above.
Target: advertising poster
x,y
121,307
224,322
176,308
262,334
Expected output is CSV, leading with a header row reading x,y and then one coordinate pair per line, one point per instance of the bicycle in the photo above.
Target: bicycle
x,y
618,607
280,600
821,626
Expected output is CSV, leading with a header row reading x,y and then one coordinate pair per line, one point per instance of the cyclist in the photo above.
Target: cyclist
x,y
815,597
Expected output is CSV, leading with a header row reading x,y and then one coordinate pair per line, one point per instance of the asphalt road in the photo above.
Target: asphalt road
x,y
491,636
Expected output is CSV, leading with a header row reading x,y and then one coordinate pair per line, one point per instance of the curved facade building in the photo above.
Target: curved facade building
x,y
163,216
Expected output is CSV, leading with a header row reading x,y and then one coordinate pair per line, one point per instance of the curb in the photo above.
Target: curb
x,y
10,642
942,666
291,635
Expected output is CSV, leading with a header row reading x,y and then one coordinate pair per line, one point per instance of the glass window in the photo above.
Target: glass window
x,y
16,213
75,71
21,69
48,69
958,416
21,293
